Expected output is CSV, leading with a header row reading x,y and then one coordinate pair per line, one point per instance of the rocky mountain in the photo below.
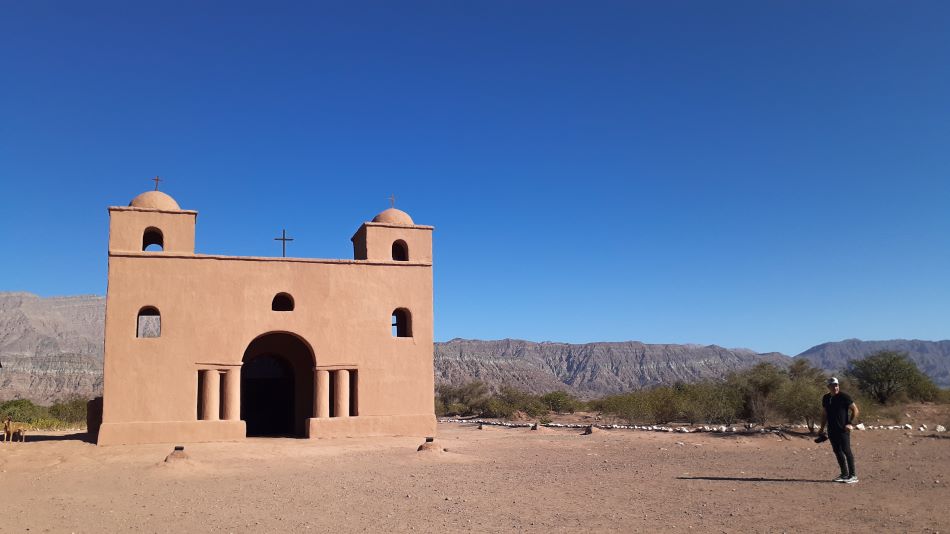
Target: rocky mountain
x,y
588,370
50,348
932,357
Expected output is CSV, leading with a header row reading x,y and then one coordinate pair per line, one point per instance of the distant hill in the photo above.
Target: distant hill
x,y
932,357
51,348
588,370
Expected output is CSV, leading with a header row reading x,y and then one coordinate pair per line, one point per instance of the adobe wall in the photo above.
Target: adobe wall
x,y
212,307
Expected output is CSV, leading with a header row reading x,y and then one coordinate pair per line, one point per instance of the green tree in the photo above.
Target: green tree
x,y
710,402
467,399
560,402
757,387
802,369
665,404
799,400
888,375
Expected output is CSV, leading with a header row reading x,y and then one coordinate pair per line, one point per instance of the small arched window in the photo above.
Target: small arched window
x,y
153,240
149,323
282,302
402,323
400,251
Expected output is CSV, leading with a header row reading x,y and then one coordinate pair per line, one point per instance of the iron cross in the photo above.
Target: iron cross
x,y
156,180
283,245
392,201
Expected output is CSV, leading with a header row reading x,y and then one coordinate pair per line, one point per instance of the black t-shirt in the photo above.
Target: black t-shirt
x,y
836,408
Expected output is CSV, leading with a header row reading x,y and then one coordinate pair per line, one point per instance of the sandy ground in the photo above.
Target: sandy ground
x,y
489,480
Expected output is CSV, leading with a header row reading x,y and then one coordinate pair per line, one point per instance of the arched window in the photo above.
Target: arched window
x,y
282,302
402,323
149,323
400,251
153,240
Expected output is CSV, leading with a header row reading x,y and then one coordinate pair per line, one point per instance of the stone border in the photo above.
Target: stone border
x,y
682,429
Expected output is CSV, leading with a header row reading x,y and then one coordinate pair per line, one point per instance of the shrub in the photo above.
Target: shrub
x,y
711,402
467,399
757,387
23,410
559,402
799,400
72,411
664,404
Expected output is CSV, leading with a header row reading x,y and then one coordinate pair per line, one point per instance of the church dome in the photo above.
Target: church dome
x,y
394,216
155,200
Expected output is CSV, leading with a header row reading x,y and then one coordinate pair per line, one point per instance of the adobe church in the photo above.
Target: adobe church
x,y
203,347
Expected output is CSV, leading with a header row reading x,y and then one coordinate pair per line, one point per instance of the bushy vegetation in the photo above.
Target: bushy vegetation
x,y
888,376
762,395
63,415
475,399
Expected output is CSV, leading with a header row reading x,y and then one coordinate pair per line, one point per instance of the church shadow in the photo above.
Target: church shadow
x,y
757,479
77,436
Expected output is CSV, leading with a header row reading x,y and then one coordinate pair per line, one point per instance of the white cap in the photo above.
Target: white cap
x,y
832,381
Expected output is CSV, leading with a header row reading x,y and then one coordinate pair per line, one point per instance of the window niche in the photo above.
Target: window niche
x,y
400,251
149,323
282,302
402,323
153,240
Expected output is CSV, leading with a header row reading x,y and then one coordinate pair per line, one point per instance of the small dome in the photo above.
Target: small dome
x,y
394,216
155,200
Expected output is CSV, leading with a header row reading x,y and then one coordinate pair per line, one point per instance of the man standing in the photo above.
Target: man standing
x,y
839,415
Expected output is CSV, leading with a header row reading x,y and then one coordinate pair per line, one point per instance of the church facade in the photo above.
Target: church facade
x,y
202,347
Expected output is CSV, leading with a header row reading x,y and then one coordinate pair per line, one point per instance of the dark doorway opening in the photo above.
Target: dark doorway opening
x,y
277,386
267,396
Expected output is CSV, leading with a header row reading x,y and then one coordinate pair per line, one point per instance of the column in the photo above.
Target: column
x,y
232,394
210,388
321,393
341,399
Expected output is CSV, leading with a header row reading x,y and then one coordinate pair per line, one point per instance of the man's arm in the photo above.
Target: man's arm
x,y
853,412
824,421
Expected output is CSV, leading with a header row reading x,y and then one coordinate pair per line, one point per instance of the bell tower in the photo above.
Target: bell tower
x,y
152,222
392,236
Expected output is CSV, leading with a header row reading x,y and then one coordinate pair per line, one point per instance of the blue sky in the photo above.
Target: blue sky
x,y
770,175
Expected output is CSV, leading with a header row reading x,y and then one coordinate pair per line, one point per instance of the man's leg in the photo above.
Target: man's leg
x,y
846,449
838,447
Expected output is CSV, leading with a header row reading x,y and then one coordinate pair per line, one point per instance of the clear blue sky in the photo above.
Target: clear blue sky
x,y
770,175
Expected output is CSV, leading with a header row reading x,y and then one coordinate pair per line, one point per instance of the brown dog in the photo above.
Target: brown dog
x,y
13,431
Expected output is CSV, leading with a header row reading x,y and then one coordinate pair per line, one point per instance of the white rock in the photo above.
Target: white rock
x,y
860,426
907,426
941,428
921,428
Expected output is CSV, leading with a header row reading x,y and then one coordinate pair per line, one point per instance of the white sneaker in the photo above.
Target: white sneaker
x,y
841,478
851,480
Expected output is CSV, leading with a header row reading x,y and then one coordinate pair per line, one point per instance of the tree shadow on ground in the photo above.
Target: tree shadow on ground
x,y
787,435
757,479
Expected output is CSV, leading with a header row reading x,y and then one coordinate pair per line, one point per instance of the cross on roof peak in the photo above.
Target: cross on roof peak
x,y
392,201
156,180
283,239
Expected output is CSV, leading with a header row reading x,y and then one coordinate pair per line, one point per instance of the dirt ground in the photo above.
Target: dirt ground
x,y
495,479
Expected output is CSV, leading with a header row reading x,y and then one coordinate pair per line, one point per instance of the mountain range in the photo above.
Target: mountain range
x,y
51,349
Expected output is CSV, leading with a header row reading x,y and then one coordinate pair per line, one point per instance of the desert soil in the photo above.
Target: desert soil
x,y
489,480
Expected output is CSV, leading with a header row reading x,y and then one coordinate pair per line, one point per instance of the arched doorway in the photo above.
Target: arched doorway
x,y
277,385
